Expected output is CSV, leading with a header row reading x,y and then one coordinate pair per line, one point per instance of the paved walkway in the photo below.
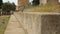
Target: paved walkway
x,y
14,27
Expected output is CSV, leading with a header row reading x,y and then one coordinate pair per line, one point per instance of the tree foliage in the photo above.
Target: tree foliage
x,y
8,6
1,4
35,2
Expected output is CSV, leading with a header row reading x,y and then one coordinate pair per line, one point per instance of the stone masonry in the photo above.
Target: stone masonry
x,y
41,23
50,24
49,2
52,1
25,3
22,3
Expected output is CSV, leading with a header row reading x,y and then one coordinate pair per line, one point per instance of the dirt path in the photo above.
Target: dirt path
x,y
14,27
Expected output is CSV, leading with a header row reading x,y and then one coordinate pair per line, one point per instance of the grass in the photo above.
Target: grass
x,y
44,8
4,20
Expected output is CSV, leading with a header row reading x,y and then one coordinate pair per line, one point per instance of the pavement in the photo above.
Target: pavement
x,y
14,27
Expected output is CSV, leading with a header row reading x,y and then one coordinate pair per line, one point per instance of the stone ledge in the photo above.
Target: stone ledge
x,y
43,13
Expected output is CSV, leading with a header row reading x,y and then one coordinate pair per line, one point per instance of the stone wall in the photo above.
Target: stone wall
x,y
22,3
49,2
41,23
50,24
31,23
52,1
25,3
43,2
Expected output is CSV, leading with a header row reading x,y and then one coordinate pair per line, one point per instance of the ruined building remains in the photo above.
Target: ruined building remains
x,y
23,3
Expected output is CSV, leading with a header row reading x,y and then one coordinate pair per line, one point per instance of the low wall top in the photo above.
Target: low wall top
x,y
43,13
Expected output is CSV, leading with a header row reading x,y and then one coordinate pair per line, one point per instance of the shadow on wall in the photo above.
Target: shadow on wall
x,y
50,24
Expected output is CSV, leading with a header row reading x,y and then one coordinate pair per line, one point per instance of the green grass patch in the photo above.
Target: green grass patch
x,y
44,8
3,23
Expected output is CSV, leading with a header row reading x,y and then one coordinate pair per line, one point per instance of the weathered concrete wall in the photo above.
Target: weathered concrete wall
x,y
41,23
